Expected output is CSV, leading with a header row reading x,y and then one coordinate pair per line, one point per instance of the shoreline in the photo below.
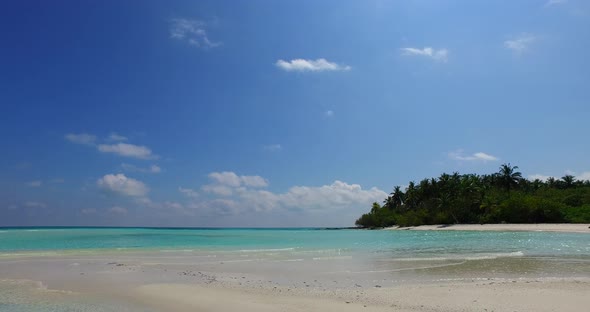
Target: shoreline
x,y
523,227
179,282
459,275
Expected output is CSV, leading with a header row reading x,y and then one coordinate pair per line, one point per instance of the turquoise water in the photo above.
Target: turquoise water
x,y
391,244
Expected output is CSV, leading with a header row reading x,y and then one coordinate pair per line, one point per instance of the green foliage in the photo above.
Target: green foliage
x,y
500,197
377,218
577,214
522,208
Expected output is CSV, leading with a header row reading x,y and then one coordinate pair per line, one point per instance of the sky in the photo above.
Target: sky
x,y
278,113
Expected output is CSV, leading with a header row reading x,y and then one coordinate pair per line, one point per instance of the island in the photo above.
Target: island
x,y
501,197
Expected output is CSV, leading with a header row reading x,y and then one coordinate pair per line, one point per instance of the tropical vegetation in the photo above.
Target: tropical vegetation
x,y
502,197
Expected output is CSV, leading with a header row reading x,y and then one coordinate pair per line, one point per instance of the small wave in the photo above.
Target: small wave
x,y
489,256
399,270
12,254
321,251
176,250
496,256
266,250
44,230
49,253
332,258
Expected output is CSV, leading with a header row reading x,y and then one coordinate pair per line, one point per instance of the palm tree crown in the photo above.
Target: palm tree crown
x,y
508,176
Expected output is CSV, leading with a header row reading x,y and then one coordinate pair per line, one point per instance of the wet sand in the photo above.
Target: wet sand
x,y
196,281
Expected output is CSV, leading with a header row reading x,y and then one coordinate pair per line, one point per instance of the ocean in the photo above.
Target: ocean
x,y
389,244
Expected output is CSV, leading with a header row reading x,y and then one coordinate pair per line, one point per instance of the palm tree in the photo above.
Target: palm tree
x,y
375,208
445,203
537,184
508,176
396,198
411,196
551,182
568,180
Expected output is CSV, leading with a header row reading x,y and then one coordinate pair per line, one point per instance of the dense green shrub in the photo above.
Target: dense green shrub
x,y
577,214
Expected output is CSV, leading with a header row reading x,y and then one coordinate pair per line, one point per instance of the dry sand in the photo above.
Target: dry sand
x,y
507,295
545,227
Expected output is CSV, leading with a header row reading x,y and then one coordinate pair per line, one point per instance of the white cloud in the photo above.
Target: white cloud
x,y
123,149
127,150
334,196
188,192
166,208
35,183
119,183
226,178
87,211
555,2
222,190
114,137
118,210
229,178
220,206
273,147
584,176
81,138
230,199
191,31
541,177
212,208
254,181
329,113
318,65
437,55
34,204
479,156
176,208
520,44
338,195
133,168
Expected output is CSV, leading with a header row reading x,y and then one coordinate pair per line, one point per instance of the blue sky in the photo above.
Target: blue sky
x,y
277,113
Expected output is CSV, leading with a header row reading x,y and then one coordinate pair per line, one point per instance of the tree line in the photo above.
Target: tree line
x,y
501,197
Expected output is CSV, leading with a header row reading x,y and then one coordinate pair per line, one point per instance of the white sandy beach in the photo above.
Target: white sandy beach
x,y
187,281
546,227
492,295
